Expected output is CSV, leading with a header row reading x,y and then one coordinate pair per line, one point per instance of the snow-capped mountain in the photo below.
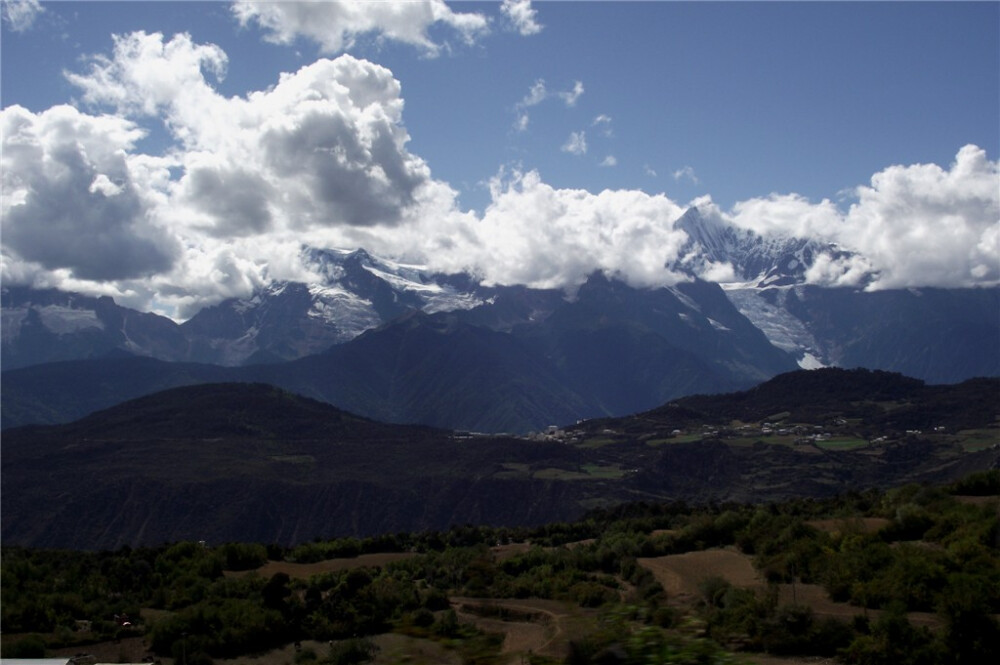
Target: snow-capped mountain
x,y
45,325
756,260
732,333
288,320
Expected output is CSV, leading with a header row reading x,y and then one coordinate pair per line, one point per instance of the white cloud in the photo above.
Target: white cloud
x,y
686,172
522,16
335,25
535,234
20,15
537,94
916,225
570,97
922,225
311,159
610,160
576,144
320,158
70,201
648,170
604,123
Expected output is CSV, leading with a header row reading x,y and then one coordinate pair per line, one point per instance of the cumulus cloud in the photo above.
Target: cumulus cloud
x,y
521,16
924,225
20,15
610,160
915,225
69,198
320,159
576,144
535,234
321,152
335,25
328,137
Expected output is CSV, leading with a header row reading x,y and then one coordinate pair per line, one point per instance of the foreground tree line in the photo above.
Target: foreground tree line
x,y
936,553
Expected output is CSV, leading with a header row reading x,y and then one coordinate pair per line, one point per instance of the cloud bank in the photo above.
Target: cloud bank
x,y
321,158
335,25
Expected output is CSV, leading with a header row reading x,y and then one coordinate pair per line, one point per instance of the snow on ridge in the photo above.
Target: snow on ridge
x,y
686,300
401,283
780,327
451,300
61,320
809,361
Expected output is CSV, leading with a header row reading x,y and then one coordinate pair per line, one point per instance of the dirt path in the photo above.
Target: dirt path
x,y
535,626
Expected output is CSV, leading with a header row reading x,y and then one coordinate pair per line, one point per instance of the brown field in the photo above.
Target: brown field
x,y
128,650
861,524
817,599
504,552
767,659
543,627
680,574
305,570
980,500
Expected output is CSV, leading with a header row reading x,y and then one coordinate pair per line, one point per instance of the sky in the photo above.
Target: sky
x,y
172,154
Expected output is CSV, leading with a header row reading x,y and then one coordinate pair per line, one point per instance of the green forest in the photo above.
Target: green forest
x,y
893,555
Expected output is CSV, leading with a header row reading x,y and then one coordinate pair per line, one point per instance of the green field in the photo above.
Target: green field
x,y
972,440
842,443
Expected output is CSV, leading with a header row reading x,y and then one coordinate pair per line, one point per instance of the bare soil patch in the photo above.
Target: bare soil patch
x,y
128,650
680,574
539,626
503,552
306,570
822,606
859,524
979,500
767,659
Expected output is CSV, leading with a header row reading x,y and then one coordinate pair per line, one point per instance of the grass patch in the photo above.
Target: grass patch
x,y
596,442
973,440
514,470
842,443
597,471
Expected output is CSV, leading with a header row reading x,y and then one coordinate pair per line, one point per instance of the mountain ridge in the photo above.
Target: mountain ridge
x,y
250,462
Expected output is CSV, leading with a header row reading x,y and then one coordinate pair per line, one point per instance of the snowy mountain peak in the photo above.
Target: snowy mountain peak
x,y
760,260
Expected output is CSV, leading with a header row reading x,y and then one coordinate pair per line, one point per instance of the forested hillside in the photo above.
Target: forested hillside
x,y
906,576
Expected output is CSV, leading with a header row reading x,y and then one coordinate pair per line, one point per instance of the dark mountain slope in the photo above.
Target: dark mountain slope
x,y
65,391
248,462
611,351
881,400
436,370
939,335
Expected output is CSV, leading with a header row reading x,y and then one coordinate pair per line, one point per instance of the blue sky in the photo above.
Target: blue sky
x,y
779,112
